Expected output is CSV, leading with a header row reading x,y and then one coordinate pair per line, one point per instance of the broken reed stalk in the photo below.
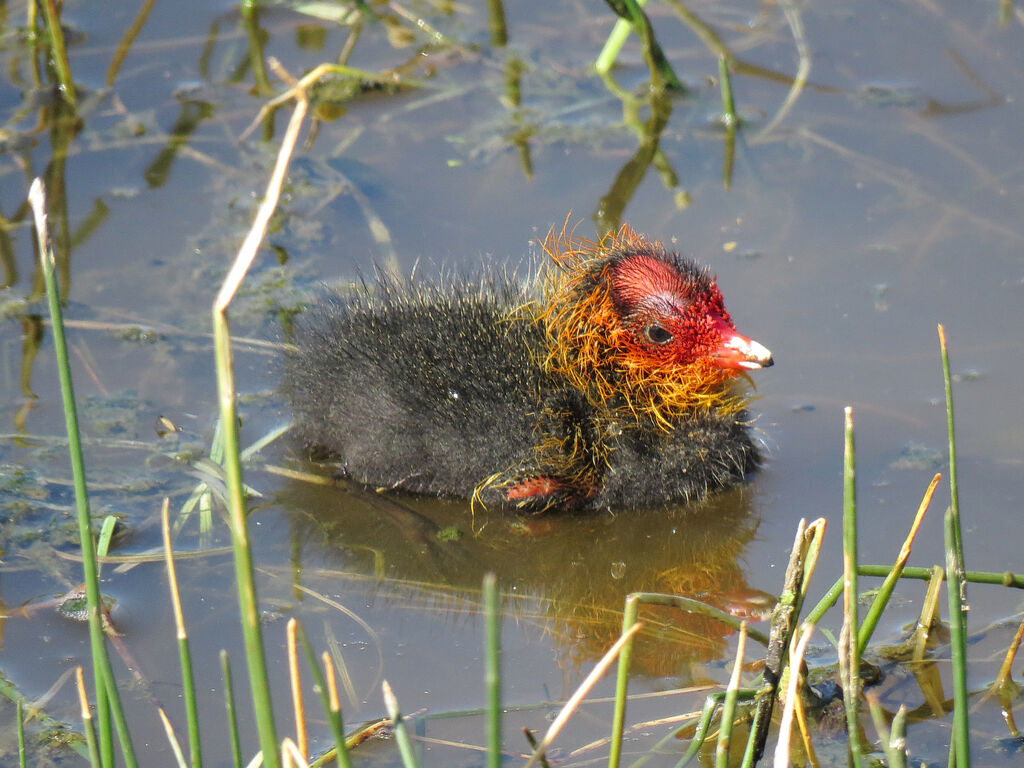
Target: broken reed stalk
x,y
90,732
108,702
802,559
792,695
398,727
247,601
179,756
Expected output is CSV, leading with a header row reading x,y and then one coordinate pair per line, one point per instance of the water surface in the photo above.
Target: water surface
x,y
884,199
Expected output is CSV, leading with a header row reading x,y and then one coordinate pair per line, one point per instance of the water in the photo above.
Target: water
x,y
884,201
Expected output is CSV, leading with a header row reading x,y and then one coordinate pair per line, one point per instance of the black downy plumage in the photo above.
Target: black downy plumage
x,y
610,383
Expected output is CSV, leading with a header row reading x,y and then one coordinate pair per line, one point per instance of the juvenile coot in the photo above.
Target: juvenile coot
x,y
609,381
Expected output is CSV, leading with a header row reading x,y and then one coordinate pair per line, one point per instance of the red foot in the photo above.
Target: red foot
x,y
535,486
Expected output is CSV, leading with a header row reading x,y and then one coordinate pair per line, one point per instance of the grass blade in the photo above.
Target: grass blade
x,y
107,700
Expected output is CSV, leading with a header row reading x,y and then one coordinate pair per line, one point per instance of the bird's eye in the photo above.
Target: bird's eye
x,y
657,334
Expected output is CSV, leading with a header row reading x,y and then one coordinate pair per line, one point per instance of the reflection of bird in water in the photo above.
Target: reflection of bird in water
x,y
567,581
609,385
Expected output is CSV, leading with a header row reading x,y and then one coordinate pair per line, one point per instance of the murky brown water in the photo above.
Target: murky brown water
x,y
886,199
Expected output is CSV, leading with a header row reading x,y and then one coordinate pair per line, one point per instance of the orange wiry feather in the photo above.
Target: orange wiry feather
x,y
588,344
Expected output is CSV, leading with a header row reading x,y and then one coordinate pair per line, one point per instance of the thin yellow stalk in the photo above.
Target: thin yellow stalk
x,y
172,739
574,701
796,661
187,677
889,584
298,707
90,733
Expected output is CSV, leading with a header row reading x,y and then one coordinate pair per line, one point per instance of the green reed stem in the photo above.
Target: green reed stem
x,y
331,708
1003,579
60,53
884,737
229,707
247,602
662,74
960,741
106,534
851,673
898,739
401,734
492,668
954,495
108,701
700,733
630,613
184,655
955,584
729,704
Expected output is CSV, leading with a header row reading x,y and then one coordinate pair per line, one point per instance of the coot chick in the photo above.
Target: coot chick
x,y
610,381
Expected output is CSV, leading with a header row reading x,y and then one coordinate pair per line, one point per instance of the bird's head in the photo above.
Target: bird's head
x,y
632,324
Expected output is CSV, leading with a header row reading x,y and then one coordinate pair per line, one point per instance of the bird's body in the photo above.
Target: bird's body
x,y
567,396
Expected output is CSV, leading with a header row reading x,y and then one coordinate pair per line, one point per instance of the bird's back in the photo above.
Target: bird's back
x,y
427,389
